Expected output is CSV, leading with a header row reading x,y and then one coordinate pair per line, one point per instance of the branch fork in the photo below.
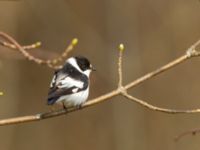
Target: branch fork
x,y
192,52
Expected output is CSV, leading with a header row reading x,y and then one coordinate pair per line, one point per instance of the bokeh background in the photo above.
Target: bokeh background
x,y
154,33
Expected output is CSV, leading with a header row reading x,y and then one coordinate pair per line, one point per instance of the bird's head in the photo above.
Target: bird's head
x,y
82,64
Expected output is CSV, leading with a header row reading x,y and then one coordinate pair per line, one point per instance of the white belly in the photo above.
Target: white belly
x,y
74,99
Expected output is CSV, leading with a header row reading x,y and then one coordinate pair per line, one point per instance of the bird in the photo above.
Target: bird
x,y
70,84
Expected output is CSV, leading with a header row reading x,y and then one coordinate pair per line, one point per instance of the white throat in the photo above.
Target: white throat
x,y
87,72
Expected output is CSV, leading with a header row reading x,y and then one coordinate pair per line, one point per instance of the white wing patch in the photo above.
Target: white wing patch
x,y
53,81
68,82
75,90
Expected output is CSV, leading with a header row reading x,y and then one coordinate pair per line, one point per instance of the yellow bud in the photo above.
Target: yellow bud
x,y
37,44
121,47
74,41
1,93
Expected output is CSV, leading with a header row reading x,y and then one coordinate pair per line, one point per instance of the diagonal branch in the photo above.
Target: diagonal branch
x,y
158,71
191,52
155,108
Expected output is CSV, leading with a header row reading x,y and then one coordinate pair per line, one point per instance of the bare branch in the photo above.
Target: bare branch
x,y
155,108
191,52
121,90
50,63
190,132
121,49
26,47
65,53
158,71
41,116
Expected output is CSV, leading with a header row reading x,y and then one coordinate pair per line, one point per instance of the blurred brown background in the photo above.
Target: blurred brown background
x,y
154,32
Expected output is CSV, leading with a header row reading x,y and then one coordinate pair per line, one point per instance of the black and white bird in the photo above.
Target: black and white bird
x,y
70,84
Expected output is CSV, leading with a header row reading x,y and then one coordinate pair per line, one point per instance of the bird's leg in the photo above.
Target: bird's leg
x,y
64,107
79,106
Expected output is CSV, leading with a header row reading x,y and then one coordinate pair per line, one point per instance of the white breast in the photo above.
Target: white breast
x,y
74,99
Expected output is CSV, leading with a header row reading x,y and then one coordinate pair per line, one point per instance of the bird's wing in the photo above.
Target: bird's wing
x,y
55,94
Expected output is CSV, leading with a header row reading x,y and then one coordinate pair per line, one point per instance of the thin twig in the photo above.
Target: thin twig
x,y
121,49
121,90
66,52
26,47
190,132
158,71
50,63
191,52
155,108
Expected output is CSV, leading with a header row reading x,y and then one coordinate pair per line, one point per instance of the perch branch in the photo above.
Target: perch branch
x,y
121,90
